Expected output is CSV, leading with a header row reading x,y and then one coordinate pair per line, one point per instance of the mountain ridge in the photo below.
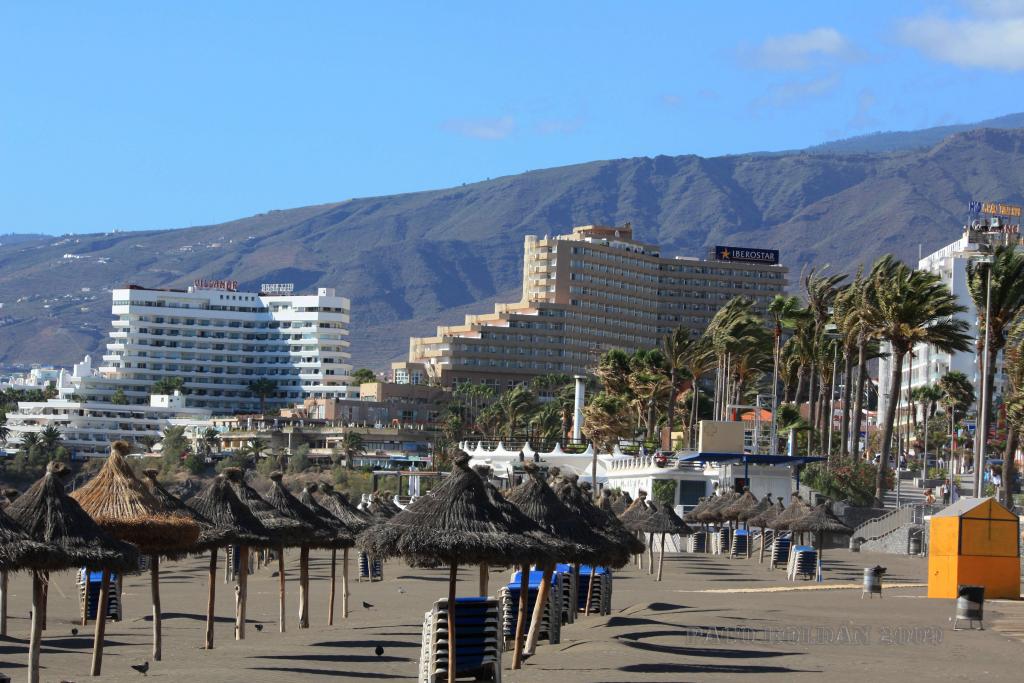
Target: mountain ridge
x,y
415,260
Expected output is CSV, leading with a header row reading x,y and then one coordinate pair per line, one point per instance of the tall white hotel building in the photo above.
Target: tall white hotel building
x,y
218,341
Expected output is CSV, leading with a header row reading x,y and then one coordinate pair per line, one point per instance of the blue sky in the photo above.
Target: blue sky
x,y
147,115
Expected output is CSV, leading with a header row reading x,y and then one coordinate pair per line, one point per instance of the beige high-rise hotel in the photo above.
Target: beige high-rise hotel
x,y
584,293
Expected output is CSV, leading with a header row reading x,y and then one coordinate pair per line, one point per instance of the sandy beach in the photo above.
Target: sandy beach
x,y
712,618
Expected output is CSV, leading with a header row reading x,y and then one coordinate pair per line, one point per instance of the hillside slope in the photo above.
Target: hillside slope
x,y
411,261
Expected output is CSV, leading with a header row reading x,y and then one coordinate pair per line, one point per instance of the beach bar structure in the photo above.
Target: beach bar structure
x,y
974,542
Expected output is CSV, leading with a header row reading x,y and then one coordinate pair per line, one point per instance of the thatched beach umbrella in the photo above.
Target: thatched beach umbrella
x,y
123,506
535,499
819,520
664,520
621,502
284,531
733,510
224,521
712,512
343,537
797,508
621,543
50,516
750,512
454,524
18,551
763,520
551,548
356,520
691,515
632,518
325,534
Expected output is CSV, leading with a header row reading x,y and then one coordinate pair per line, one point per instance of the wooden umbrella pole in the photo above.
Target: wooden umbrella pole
x,y
344,583
590,590
452,577
760,559
538,610
650,553
661,555
3,603
280,590
101,622
330,601
37,628
211,598
304,587
640,555
46,596
524,590
154,586
227,563
484,578
242,590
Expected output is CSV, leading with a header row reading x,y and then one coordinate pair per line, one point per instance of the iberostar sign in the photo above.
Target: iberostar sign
x,y
747,255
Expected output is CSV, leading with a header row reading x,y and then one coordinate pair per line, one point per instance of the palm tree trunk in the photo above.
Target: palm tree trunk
x,y
844,427
811,398
858,399
895,382
211,598
800,372
670,413
1009,469
694,418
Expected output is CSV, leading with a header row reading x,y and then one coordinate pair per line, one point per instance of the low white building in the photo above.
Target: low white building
x,y
88,427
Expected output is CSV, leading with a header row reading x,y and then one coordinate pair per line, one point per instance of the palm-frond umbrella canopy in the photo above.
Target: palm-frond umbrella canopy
x,y
125,508
284,532
734,509
749,513
170,501
344,537
818,521
621,543
712,513
49,515
621,502
797,508
693,514
224,521
633,516
663,520
338,504
327,532
378,509
454,524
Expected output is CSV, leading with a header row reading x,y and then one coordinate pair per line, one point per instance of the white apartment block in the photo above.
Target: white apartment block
x,y
218,341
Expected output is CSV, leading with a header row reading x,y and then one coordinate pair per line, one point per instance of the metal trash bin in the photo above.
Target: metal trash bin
x,y
915,544
970,605
855,542
872,581
4,678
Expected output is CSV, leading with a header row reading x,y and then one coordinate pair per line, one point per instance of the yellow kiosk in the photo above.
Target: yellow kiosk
x,y
974,541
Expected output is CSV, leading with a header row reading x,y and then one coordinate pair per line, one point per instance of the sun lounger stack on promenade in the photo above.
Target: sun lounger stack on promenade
x,y
720,540
566,591
780,551
697,542
478,645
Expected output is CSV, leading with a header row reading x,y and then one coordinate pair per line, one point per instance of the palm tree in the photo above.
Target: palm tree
x,y
606,419
514,407
5,432
210,439
677,346
546,423
784,311
167,386
29,442
613,370
1013,364
1000,284
351,446
50,439
699,361
820,292
649,389
262,389
957,395
909,307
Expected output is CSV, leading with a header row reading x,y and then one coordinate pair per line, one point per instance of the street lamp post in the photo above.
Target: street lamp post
x,y
982,428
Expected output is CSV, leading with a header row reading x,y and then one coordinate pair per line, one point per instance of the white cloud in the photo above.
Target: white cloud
x,y
991,39
482,129
794,92
559,126
800,50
